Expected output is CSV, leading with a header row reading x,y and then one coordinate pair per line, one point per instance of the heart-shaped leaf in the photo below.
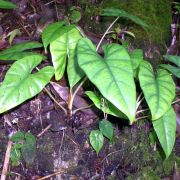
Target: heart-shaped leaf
x,y
165,128
106,128
19,84
158,90
113,75
16,52
96,140
7,5
52,32
63,48
109,109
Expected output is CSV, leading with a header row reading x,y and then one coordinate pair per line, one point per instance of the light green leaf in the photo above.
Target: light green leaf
x,y
112,75
174,70
165,128
159,89
96,140
13,34
7,5
64,48
106,128
19,84
173,59
109,109
52,32
121,13
16,52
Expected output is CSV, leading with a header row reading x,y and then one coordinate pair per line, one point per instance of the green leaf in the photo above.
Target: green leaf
x,y
109,109
158,90
112,75
13,34
15,156
107,129
19,84
29,148
7,5
52,32
165,128
121,13
64,48
96,140
17,137
173,59
174,70
75,16
16,52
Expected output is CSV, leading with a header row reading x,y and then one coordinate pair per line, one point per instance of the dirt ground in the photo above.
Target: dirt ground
x,y
63,150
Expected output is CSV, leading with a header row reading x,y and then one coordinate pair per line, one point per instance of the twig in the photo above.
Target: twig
x,y
82,108
106,33
142,110
6,161
143,117
178,100
62,171
44,130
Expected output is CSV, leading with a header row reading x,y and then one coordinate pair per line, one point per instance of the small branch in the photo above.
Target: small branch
x,y
106,33
143,117
142,110
44,130
176,101
6,161
82,108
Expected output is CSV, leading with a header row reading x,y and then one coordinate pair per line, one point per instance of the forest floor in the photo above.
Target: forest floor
x,y
62,151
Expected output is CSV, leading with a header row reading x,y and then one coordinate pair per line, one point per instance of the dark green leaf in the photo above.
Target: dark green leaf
x,y
107,129
173,59
17,137
96,140
109,109
174,70
16,52
15,156
124,14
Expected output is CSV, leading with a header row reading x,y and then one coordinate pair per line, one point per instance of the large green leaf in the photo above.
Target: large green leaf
x,y
16,52
159,89
113,75
165,128
174,70
136,59
52,32
19,84
109,109
124,14
64,48
7,5
173,59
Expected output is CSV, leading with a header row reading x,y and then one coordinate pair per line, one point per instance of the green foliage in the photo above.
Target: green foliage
x,y
19,84
124,14
106,128
25,145
115,69
7,5
165,128
175,70
96,140
158,89
64,48
18,51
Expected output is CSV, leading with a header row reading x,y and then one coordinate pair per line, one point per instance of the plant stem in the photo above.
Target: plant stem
x,y
142,110
106,33
178,100
143,117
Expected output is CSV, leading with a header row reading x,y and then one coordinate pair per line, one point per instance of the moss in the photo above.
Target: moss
x,y
157,14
